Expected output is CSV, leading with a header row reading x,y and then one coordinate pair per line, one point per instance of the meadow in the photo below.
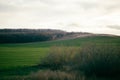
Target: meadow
x,y
22,58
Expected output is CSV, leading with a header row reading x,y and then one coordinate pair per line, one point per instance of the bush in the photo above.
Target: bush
x,y
98,59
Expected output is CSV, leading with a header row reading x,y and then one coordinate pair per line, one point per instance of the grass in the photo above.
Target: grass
x,y
27,54
89,59
47,75
59,57
20,56
101,60
30,53
20,59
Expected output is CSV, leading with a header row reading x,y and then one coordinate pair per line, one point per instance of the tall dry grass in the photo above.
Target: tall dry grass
x,y
47,75
90,59
60,58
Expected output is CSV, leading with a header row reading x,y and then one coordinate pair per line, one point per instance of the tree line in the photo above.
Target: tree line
x,y
33,35
28,35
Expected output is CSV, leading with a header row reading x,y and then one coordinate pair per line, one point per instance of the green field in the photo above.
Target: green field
x,y
13,56
28,54
20,56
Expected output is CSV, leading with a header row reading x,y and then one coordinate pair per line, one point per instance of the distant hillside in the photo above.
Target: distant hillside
x,y
36,35
39,35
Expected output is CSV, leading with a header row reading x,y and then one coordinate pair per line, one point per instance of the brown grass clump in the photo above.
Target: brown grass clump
x,y
59,57
53,75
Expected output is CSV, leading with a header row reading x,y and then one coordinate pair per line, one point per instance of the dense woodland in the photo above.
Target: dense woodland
x,y
31,35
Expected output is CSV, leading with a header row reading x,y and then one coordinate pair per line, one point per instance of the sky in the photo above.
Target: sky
x,y
96,16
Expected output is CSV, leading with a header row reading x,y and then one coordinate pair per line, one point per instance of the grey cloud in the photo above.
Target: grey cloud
x,y
113,7
107,5
74,25
7,8
114,27
87,5
50,2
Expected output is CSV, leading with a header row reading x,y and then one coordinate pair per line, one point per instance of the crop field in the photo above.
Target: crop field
x,y
22,55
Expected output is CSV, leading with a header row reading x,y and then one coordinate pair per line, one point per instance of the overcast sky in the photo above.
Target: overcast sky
x,y
97,16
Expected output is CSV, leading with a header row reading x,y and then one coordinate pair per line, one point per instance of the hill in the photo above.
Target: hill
x,y
36,35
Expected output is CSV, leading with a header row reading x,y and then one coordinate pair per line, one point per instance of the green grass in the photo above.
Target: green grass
x,y
18,58
27,54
